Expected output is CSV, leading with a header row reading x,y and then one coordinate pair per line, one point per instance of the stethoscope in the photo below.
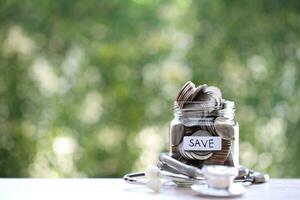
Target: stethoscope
x,y
210,180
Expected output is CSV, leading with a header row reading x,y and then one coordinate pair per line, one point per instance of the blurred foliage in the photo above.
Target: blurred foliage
x,y
87,87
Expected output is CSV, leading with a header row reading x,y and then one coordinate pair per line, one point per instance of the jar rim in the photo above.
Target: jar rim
x,y
196,105
195,110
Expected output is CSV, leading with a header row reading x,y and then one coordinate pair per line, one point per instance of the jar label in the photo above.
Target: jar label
x,y
200,143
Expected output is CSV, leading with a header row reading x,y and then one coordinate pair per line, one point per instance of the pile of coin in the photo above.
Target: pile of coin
x,y
204,93
201,111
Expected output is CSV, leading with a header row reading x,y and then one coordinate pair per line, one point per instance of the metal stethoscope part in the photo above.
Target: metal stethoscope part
x,y
182,174
251,176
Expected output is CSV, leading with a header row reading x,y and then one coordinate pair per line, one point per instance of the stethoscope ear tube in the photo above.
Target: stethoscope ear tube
x,y
134,178
139,177
167,161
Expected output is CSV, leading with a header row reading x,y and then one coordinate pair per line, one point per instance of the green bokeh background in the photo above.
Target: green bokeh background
x,y
86,87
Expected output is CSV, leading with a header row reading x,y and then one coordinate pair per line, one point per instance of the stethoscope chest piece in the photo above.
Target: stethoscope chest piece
x,y
219,182
234,190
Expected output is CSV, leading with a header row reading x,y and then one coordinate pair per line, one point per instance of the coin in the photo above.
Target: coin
x,y
180,95
176,133
188,95
198,91
214,90
229,160
182,90
185,92
224,127
219,157
209,126
199,95
196,156
206,102
184,153
190,130
175,152
216,93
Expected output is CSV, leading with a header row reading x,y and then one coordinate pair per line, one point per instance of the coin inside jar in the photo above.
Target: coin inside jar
x,y
224,128
199,90
215,92
219,157
182,90
185,93
176,133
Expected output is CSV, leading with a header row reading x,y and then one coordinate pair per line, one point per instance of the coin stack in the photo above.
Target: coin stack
x,y
202,112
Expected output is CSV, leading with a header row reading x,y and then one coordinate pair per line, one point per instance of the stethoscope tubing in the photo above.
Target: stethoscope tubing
x,y
139,178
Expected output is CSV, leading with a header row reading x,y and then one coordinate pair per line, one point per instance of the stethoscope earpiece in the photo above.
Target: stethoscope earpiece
x,y
152,172
154,184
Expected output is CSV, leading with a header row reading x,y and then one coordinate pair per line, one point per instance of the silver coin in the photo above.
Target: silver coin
x,y
215,90
185,93
224,128
229,160
183,90
214,130
183,153
187,96
199,90
201,157
216,93
176,133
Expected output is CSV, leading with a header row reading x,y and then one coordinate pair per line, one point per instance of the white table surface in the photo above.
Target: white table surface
x,y
115,189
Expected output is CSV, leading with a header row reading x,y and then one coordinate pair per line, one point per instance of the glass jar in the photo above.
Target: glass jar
x,y
205,133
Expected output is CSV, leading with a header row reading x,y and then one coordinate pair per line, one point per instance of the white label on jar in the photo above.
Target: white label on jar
x,y
200,143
